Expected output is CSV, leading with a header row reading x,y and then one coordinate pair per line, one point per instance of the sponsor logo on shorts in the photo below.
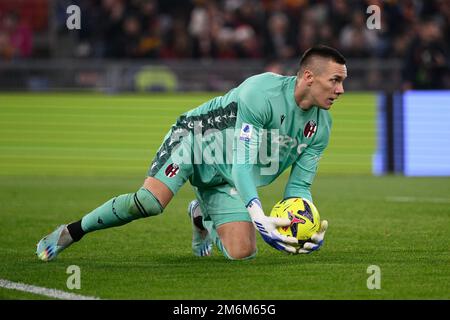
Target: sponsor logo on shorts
x,y
172,170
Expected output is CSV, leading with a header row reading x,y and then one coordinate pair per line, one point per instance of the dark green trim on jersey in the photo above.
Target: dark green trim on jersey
x,y
219,119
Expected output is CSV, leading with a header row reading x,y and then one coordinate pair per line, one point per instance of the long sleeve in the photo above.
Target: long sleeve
x,y
304,169
302,175
249,125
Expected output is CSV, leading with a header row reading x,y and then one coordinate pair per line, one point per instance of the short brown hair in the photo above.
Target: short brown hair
x,y
323,52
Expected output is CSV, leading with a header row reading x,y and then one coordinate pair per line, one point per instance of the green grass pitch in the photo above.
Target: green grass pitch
x,y
62,155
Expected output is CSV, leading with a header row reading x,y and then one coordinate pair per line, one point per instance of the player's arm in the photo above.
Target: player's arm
x,y
249,125
305,167
302,175
299,184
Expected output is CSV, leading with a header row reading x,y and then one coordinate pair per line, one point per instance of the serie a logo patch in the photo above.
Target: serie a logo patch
x,y
310,129
246,132
172,170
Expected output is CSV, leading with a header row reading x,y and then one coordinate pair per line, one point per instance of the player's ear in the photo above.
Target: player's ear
x,y
308,77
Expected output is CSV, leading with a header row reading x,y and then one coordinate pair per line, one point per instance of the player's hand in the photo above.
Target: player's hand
x,y
267,227
316,240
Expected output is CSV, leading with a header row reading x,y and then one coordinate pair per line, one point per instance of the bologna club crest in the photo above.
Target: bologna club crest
x,y
172,170
310,129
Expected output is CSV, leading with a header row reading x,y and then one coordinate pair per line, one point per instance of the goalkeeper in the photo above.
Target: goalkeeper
x,y
226,148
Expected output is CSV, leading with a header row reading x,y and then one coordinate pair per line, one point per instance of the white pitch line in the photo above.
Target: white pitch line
x,y
52,293
415,199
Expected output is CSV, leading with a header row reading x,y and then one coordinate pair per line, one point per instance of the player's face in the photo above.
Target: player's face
x,y
328,85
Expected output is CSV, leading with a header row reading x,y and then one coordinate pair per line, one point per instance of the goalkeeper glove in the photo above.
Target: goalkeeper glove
x,y
267,227
316,240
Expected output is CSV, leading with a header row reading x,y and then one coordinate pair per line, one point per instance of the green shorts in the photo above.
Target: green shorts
x,y
219,201
221,204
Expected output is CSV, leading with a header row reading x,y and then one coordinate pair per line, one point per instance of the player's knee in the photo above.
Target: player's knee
x,y
240,252
145,204
237,239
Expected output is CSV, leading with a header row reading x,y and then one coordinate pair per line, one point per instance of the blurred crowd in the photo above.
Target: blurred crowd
x,y
274,30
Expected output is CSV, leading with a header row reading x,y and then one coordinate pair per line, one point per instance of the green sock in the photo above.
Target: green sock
x,y
121,210
209,225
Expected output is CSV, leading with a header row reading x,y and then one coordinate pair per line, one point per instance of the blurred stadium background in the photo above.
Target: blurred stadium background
x,y
82,113
208,45
150,46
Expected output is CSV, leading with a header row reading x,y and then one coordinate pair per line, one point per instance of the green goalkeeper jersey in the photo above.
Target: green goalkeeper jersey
x,y
254,133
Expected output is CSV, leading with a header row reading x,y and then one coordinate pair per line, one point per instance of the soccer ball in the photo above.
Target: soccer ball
x,y
304,216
